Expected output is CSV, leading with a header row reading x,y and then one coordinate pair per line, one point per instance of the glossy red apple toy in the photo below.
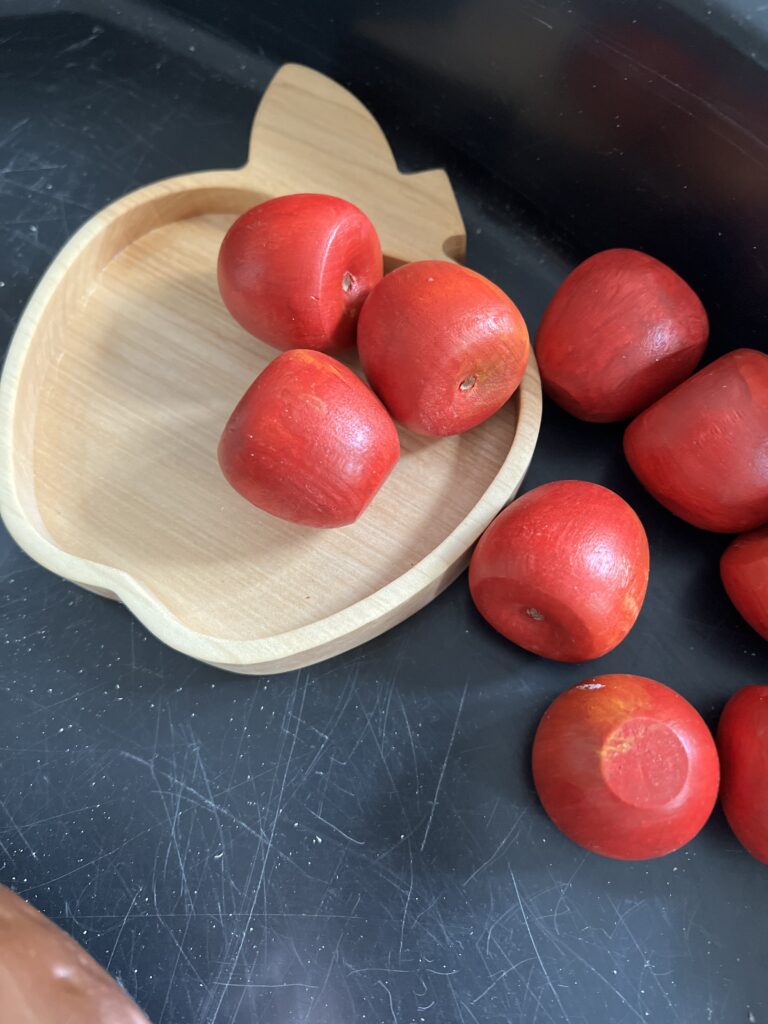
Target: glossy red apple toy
x,y
562,571
442,346
621,331
625,767
702,450
294,271
308,441
742,740
744,572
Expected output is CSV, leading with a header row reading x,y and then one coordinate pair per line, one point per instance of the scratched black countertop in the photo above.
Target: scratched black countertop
x,y
360,841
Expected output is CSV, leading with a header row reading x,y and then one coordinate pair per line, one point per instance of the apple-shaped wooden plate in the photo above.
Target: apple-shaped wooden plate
x,y
126,365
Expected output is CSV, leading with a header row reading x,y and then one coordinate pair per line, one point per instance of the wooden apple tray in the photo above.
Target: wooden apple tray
x,y
125,367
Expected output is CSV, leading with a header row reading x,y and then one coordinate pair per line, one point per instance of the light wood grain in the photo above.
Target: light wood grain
x,y
123,371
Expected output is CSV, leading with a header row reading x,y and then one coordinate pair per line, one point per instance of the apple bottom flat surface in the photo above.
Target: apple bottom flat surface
x,y
360,840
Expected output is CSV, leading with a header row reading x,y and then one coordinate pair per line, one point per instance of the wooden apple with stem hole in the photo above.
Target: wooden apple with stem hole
x,y
442,346
295,270
562,571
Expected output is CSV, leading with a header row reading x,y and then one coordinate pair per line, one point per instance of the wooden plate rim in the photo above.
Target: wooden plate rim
x,y
306,644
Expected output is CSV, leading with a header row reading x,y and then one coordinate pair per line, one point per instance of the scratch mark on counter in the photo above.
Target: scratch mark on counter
x,y
456,1002
712,108
269,844
269,984
469,1011
391,1004
498,849
122,926
210,801
407,900
444,766
380,970
81,44
336,715
500,977
389,702
334,960
188,916
133,649
410,740
335,828
369,726
199,798
566,887
426,910
563,946
165,915
536,949
180,951
637,905
647,964
173,814
46,708
8,137
439,918
16,829
86,864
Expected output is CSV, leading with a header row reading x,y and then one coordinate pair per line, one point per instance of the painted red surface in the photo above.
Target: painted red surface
x,y
702,450
443,346
742,739
308,441
562,571
621,331
625,767
744,572
294,271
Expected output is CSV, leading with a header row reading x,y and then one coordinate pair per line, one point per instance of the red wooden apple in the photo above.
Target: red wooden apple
x,y
625,767
742,740
562,571
295,270
702,450
308,441
621,331
744,572
442,346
